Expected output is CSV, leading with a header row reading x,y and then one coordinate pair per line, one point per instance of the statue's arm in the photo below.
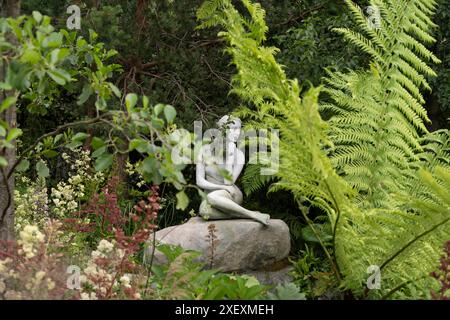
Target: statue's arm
x,y
203,183
239,162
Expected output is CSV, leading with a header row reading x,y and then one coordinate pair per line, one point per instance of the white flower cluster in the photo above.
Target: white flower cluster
x,y
38,279
97,278
31,204
6,273
28,275
34,284
67,195
34,269
64,198
30,238
125,280
88,296
104,248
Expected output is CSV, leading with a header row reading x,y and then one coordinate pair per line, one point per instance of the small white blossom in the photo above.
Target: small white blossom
x,y
105,246
125,281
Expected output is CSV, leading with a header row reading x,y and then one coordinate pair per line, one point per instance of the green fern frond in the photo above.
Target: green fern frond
x,y
436,148
210,13
253,180
384,102
362,42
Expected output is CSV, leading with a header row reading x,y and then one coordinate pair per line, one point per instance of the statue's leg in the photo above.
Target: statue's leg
x,y
223,202
209,212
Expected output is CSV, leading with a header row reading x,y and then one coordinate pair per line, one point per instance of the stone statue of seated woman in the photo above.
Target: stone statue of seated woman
x,y
224,198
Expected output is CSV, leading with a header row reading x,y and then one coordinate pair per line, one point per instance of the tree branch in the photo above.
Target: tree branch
x,y
50,134
304,14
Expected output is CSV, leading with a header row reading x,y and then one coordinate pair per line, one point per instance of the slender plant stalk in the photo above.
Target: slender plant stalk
x,y
311,225
387,295
338,215
395,255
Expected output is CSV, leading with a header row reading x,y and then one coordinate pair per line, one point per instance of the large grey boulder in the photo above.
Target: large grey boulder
x,y
241,244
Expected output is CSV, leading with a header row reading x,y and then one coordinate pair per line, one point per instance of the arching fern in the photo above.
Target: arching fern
x,y
402,236
404,244
378,114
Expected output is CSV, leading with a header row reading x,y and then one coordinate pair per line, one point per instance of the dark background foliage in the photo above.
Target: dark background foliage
x,y
166,58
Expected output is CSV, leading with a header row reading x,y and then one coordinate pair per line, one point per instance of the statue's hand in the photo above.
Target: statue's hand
x,y
230,189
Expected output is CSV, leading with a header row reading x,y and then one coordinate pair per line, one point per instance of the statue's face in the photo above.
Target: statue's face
x,y
233,131
231,127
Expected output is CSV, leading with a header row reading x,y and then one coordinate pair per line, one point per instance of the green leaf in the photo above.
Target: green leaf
x,y
321,229
85,94
88,57
24,165
182,200
50,153
3,162
5,86
100,104
103,162
37,16
149,165
54,56
58,55
140,145
2,131
130,101
74,144
42,169
14,133
170,113
157,123
251,281
8,102
92,35
288,291
58,138
115,90
18,75
111,53
54,40
80,136
30,56
81,43
97,143
158,109
60,76
145,102
97,153
156,178
65,33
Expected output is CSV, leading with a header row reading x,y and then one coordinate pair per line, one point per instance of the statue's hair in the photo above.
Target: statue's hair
x,y
227,120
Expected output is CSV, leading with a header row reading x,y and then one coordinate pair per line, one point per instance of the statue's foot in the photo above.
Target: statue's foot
x,y
263,218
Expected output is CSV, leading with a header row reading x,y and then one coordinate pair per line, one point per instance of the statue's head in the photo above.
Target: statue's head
x,y
231,126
